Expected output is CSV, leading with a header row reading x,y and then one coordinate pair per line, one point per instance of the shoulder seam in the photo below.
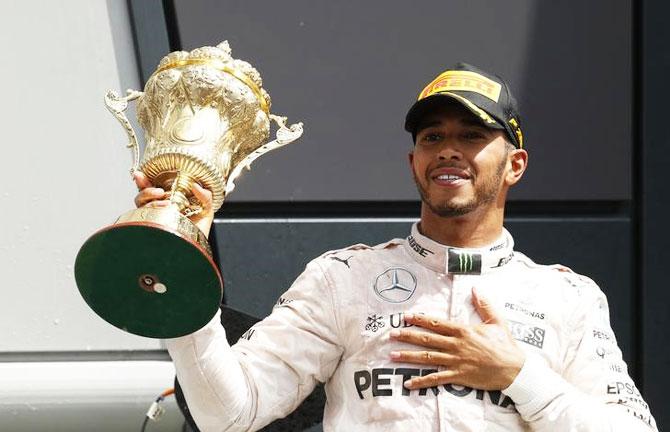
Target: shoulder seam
x,y
362,246
333,299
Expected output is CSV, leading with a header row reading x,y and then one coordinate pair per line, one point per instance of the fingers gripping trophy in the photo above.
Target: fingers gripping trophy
x,y
206,117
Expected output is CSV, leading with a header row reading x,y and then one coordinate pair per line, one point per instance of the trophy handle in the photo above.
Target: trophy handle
x,y
285,135
117,106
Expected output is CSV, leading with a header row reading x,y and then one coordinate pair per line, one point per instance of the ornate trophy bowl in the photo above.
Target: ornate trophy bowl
x,y
206,117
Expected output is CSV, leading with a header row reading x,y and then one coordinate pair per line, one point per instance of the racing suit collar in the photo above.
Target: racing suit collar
x,y
447,259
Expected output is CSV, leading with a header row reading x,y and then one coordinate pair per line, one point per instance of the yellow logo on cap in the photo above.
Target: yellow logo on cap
x,y
474,108
464,81
517,131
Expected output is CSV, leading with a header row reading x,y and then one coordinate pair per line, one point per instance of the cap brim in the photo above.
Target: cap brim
x,y
429,104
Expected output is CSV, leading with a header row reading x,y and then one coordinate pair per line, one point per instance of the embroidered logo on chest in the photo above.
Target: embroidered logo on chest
x,y
395,285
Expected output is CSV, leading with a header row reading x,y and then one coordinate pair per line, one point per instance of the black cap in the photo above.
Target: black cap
x,y
487,96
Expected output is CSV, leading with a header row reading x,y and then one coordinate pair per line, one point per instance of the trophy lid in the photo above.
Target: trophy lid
x,y
219,57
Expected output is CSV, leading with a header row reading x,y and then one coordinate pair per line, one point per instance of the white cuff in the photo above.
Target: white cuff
x,y
536,383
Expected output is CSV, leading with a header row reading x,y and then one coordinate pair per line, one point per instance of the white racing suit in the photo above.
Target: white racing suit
x,y
333,326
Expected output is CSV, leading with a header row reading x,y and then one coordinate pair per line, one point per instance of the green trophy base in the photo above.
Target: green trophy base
x,y
149,279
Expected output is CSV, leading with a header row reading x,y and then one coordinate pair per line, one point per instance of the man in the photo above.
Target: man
x,y
446,330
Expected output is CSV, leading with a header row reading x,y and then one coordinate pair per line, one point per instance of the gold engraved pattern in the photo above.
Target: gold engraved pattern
x,y
202,119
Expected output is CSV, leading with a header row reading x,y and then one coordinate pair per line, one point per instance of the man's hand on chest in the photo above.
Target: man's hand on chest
x,y
483,356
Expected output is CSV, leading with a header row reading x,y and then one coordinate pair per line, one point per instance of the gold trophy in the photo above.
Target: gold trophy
x,y
206,117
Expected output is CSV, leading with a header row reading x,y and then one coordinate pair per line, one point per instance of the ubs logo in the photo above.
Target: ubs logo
x,y
395,285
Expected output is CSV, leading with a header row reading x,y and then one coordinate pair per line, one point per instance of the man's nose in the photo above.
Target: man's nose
x,y
450,150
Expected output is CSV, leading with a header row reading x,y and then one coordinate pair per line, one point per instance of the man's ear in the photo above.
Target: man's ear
x,y
410,158
518,161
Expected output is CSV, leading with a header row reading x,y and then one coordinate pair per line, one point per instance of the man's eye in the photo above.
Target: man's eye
x,y
432,137
473,135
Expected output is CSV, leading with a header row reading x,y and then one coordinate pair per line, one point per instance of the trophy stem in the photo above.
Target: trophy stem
x,y
181,190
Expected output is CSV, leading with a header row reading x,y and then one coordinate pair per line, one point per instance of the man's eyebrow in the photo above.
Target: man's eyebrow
x,y
428,124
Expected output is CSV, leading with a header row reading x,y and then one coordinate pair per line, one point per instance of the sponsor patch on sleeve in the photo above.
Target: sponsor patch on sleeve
x,y
527,333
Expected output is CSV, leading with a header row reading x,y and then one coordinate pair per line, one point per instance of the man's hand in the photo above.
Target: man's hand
x,y
150,196
483,357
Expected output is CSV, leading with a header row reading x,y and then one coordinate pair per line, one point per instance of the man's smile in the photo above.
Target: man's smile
x,y
450,177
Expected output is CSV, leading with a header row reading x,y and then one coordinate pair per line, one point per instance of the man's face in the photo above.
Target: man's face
x,y
457,162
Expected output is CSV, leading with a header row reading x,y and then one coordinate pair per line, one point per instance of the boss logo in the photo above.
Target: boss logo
x,y
527,333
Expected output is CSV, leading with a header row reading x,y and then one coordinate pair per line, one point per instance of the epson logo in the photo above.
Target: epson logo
x,y
527,333
625,388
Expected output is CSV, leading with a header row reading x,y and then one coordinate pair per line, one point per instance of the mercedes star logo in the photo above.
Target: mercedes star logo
x,y
395,285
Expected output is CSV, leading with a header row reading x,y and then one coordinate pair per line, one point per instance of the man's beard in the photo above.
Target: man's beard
x,y
484,194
